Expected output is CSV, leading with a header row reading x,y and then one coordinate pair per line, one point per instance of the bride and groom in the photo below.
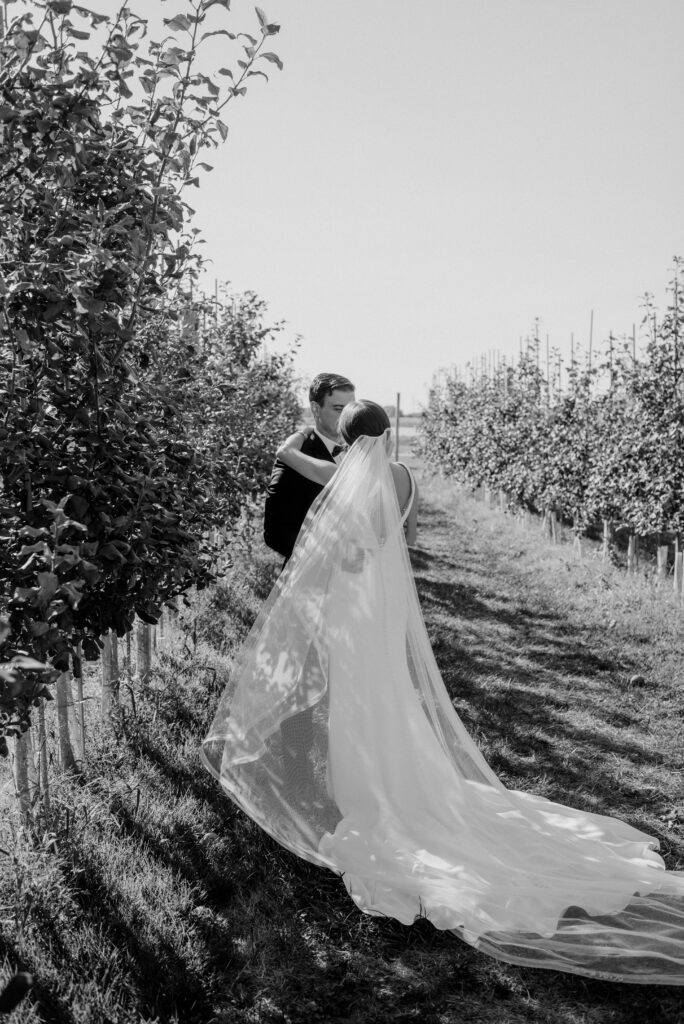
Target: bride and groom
x,y
336,734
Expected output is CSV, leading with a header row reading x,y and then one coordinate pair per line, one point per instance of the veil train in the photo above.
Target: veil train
x,y
337,736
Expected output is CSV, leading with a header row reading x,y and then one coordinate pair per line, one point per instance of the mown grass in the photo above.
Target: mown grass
x,y
150,898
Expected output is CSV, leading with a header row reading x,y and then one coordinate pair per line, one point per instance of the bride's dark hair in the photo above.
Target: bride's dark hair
x,y
362,418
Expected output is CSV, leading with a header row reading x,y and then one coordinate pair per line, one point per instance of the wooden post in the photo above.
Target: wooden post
x,y
77,663
66,751
43,757
677,579
143,651
31,766
21,775
607,539
661,571
632,553
109,704
556,527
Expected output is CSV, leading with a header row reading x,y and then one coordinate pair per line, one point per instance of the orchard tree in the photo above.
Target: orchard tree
x,y
102,506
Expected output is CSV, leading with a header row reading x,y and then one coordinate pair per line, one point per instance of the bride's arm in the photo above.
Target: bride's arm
x,y
318,470
411,525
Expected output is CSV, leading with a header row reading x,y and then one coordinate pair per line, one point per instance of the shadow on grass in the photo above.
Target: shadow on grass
x,y
521,682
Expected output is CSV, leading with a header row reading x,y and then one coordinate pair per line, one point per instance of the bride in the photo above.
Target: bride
x,y
398,798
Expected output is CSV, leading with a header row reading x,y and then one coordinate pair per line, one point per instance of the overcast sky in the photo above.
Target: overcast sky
x,y
424,179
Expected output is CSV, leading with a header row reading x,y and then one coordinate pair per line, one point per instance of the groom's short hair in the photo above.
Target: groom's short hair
x,y
325,383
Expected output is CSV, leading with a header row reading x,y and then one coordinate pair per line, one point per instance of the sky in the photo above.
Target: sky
x,y
423,180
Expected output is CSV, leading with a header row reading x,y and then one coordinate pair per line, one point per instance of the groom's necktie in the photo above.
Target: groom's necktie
x,y
337,450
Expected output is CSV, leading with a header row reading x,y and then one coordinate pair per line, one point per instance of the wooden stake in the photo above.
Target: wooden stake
x,y
143,652
607,539
109,703
80,709
677,579
21,779
632,553
662,555
43,757
62,693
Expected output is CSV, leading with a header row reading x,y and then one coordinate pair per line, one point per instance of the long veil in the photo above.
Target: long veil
x,y
337,736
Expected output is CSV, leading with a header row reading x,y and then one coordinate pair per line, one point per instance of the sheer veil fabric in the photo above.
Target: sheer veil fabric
x,y
337,736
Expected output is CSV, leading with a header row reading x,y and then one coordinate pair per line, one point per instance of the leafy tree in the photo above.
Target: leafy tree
x,y
103,500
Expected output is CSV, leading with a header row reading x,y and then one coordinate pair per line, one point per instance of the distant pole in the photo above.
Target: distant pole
x,y
591,335
396,428
572,350
216,300
634,342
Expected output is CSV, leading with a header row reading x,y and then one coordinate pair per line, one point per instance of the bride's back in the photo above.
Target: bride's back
x,y
402,483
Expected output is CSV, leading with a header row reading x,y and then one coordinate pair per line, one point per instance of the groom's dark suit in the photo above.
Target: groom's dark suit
x,y
289,498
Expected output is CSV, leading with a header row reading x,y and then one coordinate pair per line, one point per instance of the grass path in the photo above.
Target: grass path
x,y
165,904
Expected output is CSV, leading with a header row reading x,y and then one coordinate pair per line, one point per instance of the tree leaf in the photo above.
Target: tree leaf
x,y
181,21
218,32
273,58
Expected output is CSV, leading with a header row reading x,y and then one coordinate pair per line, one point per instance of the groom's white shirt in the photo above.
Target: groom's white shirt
x,y
329,444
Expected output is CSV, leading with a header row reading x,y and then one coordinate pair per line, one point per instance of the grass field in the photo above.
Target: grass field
x,y
150,898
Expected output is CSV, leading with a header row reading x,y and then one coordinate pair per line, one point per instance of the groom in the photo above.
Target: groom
x,y
289,498
290,495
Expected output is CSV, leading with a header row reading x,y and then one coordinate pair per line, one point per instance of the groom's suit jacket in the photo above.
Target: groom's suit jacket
x,y
289,498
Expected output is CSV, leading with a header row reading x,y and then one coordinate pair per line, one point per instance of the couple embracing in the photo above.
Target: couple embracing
x,y
337,736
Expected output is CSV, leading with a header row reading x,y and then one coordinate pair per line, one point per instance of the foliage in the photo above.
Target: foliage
x,y
104,503
610,447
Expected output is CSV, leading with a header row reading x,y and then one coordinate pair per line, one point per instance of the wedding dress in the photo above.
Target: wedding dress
x,y
389,789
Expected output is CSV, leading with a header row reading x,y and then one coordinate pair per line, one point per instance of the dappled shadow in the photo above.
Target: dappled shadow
x,y
510,670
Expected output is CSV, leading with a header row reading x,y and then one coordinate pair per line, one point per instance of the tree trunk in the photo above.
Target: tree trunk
x,y
110,679
66,751
143,652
